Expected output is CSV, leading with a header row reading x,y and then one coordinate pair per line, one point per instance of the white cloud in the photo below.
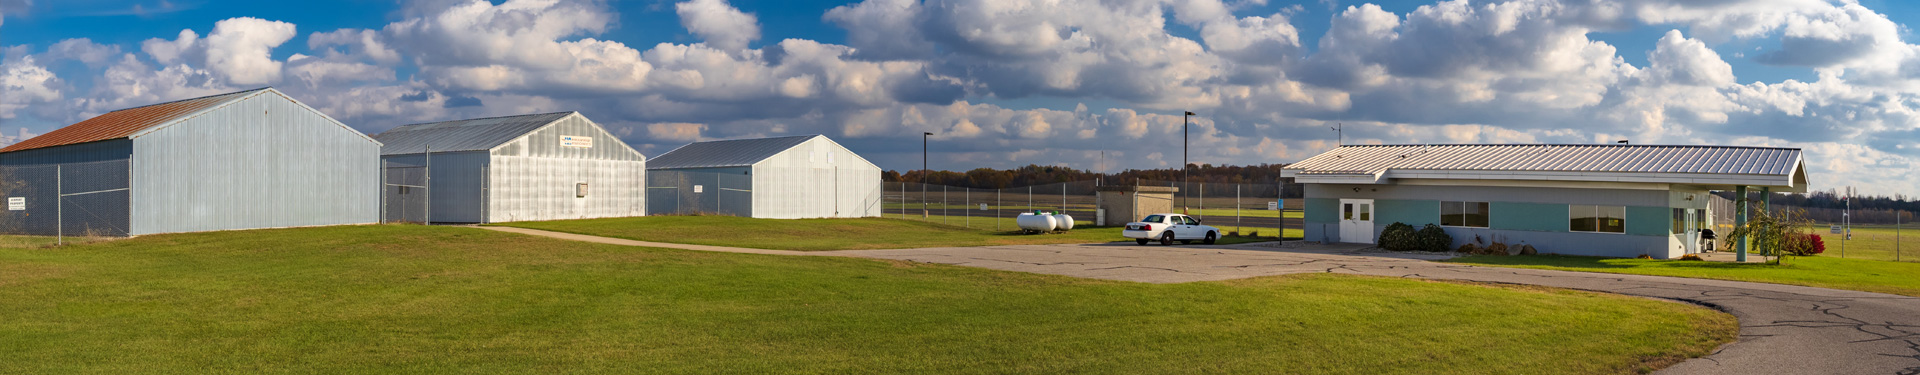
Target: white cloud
x,y
718,23
24,83
239,49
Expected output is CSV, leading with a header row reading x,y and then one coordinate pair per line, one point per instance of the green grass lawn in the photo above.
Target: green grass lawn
x,y
416,299
1873,243
819,234
10,241
1826,272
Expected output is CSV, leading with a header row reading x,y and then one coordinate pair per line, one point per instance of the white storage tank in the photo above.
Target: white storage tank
x,y
1036,222
1063,221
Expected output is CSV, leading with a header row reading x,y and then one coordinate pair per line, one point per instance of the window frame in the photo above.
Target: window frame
x,y
1486,210
1598,218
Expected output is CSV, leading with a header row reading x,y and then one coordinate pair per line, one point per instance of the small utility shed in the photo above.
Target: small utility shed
x,y
244,160
549,166
1599,200
796,177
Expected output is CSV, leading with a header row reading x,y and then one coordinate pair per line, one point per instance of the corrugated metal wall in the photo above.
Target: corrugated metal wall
x,y
458,184
262,162
813,180
535,177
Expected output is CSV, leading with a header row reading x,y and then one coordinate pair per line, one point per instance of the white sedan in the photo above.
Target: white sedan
x,y
1168,228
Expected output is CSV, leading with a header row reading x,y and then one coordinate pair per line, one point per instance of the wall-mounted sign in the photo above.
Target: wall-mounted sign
x,y
576,141
16,203
698,188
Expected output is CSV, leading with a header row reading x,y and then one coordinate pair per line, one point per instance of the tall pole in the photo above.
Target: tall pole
x,y
923,174
1183,148
428,149
59,210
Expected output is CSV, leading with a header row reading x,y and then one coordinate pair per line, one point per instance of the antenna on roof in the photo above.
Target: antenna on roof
x,y
1624,142
1340,130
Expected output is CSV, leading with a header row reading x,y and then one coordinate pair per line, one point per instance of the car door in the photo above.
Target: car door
x,y
1190,228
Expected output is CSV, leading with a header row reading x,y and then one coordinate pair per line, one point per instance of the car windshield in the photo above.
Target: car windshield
x,y
1154,219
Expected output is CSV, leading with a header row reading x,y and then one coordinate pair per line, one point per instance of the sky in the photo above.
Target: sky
x,y
1089,84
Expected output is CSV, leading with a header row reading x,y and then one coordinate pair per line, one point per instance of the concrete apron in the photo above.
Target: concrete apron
x,y
1783,329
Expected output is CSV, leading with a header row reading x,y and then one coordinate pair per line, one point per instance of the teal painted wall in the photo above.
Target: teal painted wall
x,y
1322,210
1413,212
1539,217
1649,221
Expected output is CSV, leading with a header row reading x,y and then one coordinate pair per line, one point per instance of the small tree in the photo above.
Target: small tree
x,y
1777,234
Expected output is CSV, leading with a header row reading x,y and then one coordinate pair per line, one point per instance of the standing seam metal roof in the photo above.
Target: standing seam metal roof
x,y
127,122
727,153
1554,158
479,134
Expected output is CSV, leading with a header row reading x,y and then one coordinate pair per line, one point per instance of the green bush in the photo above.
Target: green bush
x,y
1398,237
1434,239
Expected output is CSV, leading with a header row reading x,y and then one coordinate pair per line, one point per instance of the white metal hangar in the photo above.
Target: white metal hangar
x,y
798,177
550,166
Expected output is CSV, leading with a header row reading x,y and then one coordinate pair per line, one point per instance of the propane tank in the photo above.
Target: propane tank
x,y
1036,221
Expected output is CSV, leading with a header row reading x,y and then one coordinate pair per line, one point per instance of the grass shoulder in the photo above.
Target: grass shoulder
x,y
420,299
815,234
1825,272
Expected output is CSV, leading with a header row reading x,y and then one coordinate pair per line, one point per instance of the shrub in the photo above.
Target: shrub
x,y
1644,256
1434,239
1468,248
1253,234
1691,257
1495,249
1803,244
1399,237
1528,250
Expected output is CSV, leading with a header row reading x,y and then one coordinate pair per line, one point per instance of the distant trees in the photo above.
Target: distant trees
x,y
989,178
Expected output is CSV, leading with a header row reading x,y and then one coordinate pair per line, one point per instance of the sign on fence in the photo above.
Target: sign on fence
x,y
1273,206
16,203
698,189
983,206
1836,229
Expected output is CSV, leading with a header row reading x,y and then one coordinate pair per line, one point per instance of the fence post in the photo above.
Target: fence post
x,y
945,210
969,203
1029,197
1237,221
996,209
59,210
1202,190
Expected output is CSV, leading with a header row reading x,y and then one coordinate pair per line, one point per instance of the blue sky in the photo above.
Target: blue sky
x,y
1009,83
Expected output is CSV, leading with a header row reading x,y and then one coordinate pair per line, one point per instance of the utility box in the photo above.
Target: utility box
x,y
1123,204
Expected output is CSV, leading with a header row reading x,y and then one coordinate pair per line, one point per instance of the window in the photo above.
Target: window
x,y
580,190
1366,212
1463,214
1679,220
1349,211
1154,219
1602,219
1191,221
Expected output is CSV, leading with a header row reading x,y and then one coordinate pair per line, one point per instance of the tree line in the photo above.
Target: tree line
x,y
1030,175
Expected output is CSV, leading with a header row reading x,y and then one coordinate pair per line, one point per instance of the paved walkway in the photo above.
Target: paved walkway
x,y
1783,329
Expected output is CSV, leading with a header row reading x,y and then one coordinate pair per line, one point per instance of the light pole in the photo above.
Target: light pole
x,y
1183,151
923,173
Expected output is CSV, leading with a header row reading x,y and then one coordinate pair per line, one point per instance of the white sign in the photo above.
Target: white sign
x,y
698,188
576,141
983,206
1273,206
1836,229
16,203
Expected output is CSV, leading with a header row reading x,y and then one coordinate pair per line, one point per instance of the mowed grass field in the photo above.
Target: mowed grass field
x,y
817,234
418,299
1900,278
1874,243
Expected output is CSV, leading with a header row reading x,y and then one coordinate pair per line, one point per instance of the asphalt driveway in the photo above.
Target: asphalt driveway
x,y
1783,329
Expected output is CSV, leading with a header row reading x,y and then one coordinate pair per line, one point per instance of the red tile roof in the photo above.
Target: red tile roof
x,y
124,123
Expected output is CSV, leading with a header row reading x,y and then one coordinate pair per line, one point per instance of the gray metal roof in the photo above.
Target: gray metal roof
x,y
1554,158
1714,167
479,134
727,153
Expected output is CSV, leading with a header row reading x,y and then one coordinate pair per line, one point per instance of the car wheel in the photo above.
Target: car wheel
x,y
1166,239
1141,241
1211,238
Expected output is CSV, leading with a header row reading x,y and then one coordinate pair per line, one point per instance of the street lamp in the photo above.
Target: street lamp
x,y
1183,150
923,173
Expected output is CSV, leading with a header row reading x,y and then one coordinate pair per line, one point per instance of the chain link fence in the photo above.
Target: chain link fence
x,y
67,200
1256,210
404,195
